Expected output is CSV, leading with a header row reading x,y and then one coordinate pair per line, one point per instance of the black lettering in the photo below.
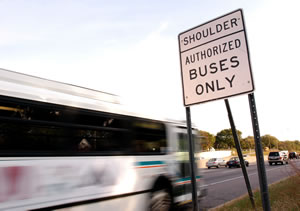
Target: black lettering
x,y
226,25
205,72
192,38
215,49
185,41
187,61
197,54
193,74
213,67
224,47
211,87
218,86
234,62
237,43
222,64
192,58
203,31
199,89
198,35
230,80
210,32
203,55
230,46
209,52
219,28
233,22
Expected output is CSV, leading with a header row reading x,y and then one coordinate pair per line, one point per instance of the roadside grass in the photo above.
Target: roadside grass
x,y
284,195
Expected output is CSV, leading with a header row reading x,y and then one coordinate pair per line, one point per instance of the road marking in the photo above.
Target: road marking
x,y
239,177
215,183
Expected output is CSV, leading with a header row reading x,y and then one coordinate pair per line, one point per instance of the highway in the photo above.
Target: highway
x,y
226,184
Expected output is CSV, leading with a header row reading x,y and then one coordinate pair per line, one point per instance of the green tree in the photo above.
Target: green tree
x,y
207,140
297,145
248,143
288,145
281,145
269,141
224,139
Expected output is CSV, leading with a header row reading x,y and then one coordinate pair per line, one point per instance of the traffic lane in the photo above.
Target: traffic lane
x,y
220,174
231,186
224,186
277,172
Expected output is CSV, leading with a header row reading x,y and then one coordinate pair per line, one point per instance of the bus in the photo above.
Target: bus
x,y
65,147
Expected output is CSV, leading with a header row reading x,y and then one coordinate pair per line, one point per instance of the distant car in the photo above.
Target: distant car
x,y
278,157
293,155
285,153
215,162
235,162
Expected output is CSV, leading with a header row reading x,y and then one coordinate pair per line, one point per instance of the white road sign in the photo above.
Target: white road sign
x,y
215,60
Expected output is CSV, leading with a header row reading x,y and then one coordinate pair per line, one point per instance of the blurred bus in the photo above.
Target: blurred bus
x,y
64,147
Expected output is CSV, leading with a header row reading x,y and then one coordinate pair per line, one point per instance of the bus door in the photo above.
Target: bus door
x,y
183,186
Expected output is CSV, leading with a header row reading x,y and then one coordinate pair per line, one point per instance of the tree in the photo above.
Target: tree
x,y
248,143
297,145
288,145
269,141
224,139
207,140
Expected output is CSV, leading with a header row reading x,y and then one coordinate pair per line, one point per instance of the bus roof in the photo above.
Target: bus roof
x,y
18,85
23,86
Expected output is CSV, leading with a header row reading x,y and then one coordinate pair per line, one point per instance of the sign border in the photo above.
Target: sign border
x,y
248,53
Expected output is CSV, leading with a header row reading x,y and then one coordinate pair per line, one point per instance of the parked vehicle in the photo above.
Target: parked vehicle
x,y
278,157
285,153
215,162
235,162
293,155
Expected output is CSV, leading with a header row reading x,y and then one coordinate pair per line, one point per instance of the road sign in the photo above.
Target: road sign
x,y
215,60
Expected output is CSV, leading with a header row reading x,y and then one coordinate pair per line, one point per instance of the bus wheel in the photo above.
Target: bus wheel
x,y
161,200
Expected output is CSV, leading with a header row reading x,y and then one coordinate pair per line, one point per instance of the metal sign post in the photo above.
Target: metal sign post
x,y
192,159
259,156
239,151
215,64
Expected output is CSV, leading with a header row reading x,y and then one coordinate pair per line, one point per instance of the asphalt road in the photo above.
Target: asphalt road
x,y
226,184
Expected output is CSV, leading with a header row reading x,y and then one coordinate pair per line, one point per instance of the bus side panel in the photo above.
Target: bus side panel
x,y
130,203
36,183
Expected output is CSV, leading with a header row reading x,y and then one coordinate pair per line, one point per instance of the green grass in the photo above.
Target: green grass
x,y
284,195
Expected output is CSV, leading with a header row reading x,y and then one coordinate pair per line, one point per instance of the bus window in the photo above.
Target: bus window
x,y
149,137
45,130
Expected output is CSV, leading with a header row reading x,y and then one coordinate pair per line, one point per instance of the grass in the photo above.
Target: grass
x,y
284,195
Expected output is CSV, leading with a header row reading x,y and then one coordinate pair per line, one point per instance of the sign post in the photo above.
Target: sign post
x,y
192,159
240,154
215,64
262,176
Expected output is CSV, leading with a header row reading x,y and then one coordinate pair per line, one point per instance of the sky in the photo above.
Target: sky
x,y
130,48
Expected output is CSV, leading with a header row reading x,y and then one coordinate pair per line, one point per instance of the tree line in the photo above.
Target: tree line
x,y
224,140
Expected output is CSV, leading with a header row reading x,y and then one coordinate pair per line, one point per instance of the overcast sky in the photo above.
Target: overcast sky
x,y
130,48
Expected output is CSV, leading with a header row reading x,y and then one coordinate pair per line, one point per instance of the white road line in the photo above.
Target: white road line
x,y
235,178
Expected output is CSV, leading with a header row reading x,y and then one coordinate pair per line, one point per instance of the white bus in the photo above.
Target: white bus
x,y
64,147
